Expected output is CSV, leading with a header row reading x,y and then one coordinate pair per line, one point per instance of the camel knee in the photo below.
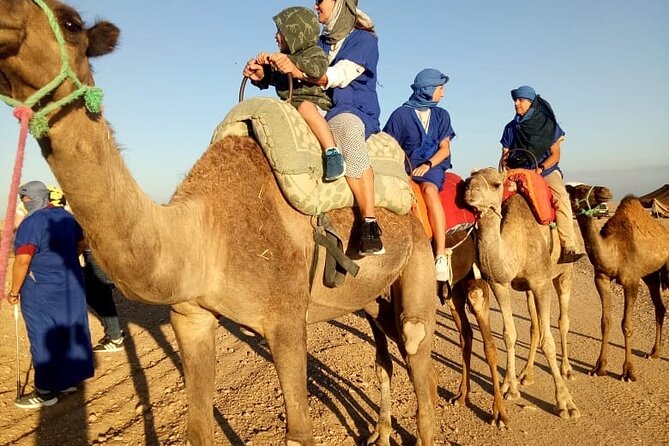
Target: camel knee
x,y
413,332
475,296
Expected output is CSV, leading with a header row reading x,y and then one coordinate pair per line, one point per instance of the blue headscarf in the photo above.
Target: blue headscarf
x,y
524,92
423,86
38,193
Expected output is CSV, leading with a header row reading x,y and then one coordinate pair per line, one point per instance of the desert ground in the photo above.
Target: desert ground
x,y
138,397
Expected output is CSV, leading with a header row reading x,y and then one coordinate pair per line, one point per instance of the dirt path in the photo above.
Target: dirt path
x,y
137,397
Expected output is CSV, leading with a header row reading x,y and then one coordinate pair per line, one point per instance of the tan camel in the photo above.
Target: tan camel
x,y
472,291
631,246
514,251
227,243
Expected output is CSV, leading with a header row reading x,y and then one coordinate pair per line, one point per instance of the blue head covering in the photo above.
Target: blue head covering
x,y
423,86
38,193
524,92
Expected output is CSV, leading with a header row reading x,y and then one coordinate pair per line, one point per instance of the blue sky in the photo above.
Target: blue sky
x,y
603,65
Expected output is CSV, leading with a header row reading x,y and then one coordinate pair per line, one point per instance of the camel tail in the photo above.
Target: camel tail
x,y
664,278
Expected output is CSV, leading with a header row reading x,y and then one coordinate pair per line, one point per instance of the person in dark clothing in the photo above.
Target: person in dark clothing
x,y
296,36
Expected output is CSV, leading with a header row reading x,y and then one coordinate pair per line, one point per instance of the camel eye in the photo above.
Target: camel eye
x,y
72,26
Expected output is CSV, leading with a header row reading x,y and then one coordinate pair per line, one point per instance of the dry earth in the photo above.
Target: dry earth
x,y
137,397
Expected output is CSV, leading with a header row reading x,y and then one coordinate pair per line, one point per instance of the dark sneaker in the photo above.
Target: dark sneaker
x,y
335,166
569,256
108,345
370,239
36,400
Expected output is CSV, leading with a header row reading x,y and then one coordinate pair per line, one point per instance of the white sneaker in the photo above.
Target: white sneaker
x,y
443,268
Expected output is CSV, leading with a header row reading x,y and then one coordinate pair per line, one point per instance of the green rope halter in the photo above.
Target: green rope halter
x,y
590,212
92,95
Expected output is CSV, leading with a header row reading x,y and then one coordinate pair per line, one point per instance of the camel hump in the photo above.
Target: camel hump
x,y
295,157
535,190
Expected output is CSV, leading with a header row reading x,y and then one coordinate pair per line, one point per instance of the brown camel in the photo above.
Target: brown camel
x,y
228,244
515,251
469,290
631,246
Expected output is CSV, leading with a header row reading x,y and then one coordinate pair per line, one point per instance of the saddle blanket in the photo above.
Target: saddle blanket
x,y
296,158
535,190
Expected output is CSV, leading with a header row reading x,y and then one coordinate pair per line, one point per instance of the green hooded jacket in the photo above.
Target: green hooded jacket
x,y
300,29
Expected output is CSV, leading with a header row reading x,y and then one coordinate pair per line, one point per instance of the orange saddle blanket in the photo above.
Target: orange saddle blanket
x,y
458,214
535,190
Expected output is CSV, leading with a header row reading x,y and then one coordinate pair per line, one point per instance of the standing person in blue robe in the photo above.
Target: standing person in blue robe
x,y
424,132
47,281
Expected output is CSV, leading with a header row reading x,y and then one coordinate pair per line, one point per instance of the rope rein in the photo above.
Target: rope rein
x,y
590,212
36,122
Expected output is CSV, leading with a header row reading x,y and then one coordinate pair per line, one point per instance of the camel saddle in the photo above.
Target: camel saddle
x,y
535,190
296,158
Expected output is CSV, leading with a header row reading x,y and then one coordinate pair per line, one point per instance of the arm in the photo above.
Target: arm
x,y
553,158
441,154
19,273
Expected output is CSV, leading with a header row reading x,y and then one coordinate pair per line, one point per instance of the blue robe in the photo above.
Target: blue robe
x,y
53,301
405,126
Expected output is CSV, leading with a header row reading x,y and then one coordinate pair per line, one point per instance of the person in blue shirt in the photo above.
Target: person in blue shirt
x,y
424,132
47,281
535,130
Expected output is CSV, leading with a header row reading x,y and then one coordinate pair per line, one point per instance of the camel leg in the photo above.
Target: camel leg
x,y
565,405
603,284
631,291
479,301
457,307
510,384
653,284
384,373
562,285
526,376
288,343
417,308
195,330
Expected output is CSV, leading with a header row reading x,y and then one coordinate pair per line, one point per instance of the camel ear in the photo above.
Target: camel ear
x,y
102,39
570,188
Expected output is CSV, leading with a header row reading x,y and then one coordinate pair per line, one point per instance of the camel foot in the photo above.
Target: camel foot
x,y
526,378
511,394
599,370
628,377
654,354
499,418
568,374
458,400
413,333
570,412
294,443
376,439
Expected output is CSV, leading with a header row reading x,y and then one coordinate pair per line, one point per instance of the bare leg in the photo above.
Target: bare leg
x,y
195,333
603,284
363,191
317,124
435,213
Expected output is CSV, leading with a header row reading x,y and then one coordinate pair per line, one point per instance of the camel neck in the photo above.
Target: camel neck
x,y
496,260
598,251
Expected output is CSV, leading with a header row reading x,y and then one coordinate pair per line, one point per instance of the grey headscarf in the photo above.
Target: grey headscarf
x,y
38,193
341,22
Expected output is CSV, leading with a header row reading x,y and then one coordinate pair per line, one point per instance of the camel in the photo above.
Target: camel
x,y
514,251
227,244
631,246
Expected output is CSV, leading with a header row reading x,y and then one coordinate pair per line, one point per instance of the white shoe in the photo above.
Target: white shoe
x,y
443,268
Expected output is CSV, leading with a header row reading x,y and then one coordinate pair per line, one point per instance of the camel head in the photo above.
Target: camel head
x,y
484,190
585,198
30,54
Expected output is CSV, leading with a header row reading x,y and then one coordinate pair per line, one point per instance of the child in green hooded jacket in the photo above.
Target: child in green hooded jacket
x,y
297,36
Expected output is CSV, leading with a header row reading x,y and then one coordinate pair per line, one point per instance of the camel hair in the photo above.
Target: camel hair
x,y
631,246
514,250
469,290
210,251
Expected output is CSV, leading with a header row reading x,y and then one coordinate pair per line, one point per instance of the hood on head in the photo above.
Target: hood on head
x,y
299,26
